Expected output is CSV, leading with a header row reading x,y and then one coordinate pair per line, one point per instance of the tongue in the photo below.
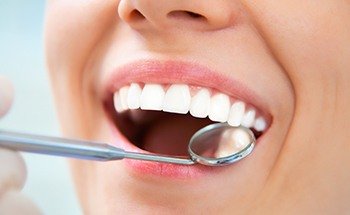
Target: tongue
x,y
171,135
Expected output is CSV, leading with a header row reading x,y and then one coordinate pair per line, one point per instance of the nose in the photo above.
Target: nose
x,y
169,14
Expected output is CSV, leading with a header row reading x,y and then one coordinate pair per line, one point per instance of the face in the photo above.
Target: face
x,y
145,75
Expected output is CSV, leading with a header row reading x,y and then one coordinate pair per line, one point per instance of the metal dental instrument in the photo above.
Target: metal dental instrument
x,y
214,145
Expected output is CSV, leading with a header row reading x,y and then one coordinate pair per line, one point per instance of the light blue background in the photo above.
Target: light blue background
x,y
22,60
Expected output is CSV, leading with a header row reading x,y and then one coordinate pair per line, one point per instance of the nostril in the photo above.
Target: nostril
x,y
136,15
183,14
194,15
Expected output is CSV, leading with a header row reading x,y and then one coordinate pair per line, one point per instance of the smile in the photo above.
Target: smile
x,y
155,107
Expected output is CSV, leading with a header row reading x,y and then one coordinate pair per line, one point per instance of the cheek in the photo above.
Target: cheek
x,y
306,36
72,29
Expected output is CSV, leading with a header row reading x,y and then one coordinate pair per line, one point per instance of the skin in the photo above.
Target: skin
x,y
302,47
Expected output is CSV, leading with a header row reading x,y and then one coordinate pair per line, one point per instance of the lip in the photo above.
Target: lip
x,y
144,168
164,72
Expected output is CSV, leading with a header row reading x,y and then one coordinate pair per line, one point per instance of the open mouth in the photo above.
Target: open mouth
x,y
156,107
161,116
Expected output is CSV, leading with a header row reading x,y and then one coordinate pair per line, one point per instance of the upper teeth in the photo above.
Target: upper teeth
x,y
181,98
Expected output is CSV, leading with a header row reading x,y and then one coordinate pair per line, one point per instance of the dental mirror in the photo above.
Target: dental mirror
x,y
221,144
214,145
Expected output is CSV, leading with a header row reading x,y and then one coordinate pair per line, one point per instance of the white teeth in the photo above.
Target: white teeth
x,y
119,99
152,97
248,118
134,94
260,124
123,93
177,99
236,113
219,107
200,104
117,103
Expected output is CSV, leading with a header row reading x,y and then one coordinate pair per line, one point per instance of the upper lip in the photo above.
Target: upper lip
x,y
165,72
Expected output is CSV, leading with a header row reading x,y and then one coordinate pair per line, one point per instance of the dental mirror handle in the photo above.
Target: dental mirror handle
x,y
76,148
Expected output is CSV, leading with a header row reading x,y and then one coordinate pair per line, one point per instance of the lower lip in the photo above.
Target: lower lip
x,y
148,168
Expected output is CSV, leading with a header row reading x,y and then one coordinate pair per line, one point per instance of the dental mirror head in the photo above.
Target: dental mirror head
x,y
221,144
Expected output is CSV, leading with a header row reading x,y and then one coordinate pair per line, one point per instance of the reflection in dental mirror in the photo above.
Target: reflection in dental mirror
x,y
232,141
221,144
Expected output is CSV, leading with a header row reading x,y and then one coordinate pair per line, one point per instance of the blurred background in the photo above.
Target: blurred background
x,y
22,60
